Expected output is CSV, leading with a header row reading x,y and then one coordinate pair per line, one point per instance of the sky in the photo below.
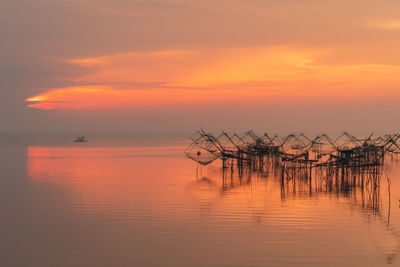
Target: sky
x,y
169,66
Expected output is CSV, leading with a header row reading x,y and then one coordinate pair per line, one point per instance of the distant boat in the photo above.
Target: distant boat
x,y
80,139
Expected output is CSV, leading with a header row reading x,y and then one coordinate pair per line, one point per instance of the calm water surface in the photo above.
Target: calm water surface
x,y
117,203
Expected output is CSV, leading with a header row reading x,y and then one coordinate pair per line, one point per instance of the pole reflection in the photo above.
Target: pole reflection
x,y
364,189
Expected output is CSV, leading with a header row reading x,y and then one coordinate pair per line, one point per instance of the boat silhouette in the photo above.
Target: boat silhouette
x,y
80,139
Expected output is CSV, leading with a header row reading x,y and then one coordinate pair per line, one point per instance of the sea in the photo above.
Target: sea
x,y
131,201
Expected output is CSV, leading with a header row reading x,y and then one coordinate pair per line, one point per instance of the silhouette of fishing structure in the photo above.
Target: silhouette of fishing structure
x,y
347,166
294,150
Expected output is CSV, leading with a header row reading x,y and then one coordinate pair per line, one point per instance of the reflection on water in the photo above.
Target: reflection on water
x,y
366,189
149,206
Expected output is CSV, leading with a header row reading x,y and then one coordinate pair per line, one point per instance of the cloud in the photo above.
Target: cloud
x,y
220,75
248,49
385,24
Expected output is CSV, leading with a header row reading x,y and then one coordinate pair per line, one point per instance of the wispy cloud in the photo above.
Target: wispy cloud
x,y
189,78
385,24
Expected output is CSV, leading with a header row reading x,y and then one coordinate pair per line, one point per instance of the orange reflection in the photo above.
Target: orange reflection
x,y
162,174
116,175
153,186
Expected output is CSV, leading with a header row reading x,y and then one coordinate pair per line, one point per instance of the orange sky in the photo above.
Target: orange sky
x,y
220,75
67,61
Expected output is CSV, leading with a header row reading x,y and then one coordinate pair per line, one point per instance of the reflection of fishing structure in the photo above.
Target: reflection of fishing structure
x,y
347,166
